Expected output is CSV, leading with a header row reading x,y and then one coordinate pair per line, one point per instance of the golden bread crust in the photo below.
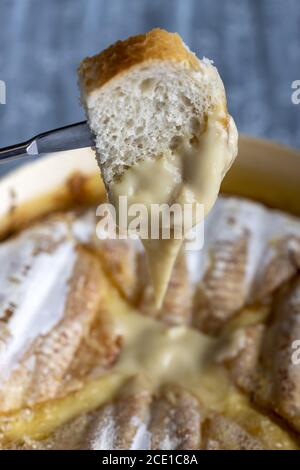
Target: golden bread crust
x,y
157,44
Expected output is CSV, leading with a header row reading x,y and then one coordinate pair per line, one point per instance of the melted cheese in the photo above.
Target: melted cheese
x,y
190,173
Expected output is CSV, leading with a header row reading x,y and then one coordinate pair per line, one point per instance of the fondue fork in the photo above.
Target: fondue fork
x,y
70,137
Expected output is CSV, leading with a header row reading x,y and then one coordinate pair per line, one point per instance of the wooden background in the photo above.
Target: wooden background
x,y
254,43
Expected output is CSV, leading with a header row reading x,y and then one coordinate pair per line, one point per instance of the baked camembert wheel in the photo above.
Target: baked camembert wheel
x,y
88,362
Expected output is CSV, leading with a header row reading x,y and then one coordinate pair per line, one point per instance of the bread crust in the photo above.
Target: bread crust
x,y
157,44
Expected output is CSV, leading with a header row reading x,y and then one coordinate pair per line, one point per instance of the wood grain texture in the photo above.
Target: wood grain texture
x,y
254,43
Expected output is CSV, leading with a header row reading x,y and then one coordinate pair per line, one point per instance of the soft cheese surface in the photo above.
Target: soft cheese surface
x,y
100,358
